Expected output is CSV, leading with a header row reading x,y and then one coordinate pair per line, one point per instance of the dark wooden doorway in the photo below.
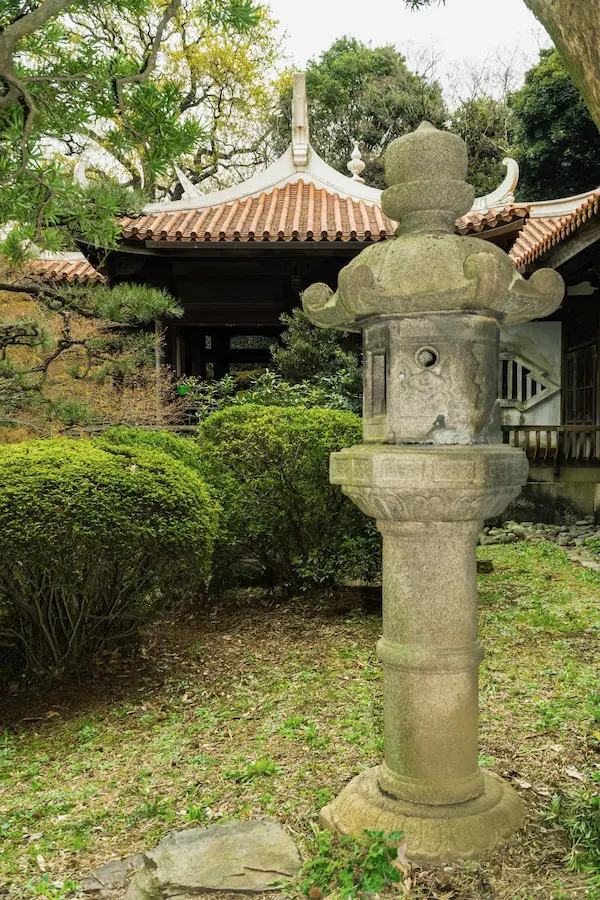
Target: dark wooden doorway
x,y
580,386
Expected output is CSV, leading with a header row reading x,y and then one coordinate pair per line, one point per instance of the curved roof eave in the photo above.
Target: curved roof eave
x,y
556,209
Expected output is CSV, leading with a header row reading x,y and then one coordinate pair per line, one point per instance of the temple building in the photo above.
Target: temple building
x,y
236,259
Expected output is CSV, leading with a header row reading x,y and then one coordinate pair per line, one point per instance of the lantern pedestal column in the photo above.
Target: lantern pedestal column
x,y
430,504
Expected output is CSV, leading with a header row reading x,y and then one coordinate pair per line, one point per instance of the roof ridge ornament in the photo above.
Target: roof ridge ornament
x,y
189,189
356,164
300,130
79,173
504,194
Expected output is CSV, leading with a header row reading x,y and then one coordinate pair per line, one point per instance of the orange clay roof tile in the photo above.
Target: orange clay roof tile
x,y
541,235
301,212
79,270
297,212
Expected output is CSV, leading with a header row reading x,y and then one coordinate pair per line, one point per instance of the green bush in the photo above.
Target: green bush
x,y
308,352
270,466
342,390
183,449
92,541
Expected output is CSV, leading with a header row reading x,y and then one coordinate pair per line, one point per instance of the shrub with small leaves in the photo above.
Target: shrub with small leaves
x,y
92,541
183,449
281,515
308,352
339,390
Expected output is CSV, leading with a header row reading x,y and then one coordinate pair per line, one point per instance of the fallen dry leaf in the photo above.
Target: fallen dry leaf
x,y
402,862
574,773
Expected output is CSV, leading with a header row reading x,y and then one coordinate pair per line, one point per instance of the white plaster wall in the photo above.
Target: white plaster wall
x,y
540,344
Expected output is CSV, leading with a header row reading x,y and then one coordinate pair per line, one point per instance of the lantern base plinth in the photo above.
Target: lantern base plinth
x,y
434,834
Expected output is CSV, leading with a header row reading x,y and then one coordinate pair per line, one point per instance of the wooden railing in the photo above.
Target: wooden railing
x,y
556,445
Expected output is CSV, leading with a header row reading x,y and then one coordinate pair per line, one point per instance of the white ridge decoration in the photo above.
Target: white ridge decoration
x,y
300,132
504,195
356,164
190,190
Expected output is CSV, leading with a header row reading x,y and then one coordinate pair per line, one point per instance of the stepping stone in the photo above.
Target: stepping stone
x,y
248,857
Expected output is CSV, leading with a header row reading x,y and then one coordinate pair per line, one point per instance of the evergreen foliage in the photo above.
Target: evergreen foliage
x,y
574,28
483,123
92,540
60,342
312,369
281,516
122,78
184,450
555,138
307,352
339,391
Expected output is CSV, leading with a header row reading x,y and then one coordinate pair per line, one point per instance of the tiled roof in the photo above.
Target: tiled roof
x,y
301,212
297,212
79,270
476,223
542,234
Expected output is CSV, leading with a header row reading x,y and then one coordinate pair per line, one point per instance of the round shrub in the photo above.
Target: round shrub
x,y
184,449
270,467
92,541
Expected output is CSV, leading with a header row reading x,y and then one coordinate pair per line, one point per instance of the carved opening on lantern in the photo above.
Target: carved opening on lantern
x,y
427,357
378,384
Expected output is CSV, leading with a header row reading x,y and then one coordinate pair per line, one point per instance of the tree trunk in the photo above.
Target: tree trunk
x,y
574,26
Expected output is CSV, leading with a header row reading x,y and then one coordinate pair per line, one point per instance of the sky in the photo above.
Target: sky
x,y
462,29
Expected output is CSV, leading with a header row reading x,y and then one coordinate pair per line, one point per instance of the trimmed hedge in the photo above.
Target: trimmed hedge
x,y
92,541
183,449
269,466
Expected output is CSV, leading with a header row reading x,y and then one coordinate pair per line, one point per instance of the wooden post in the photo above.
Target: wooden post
x,y
158,364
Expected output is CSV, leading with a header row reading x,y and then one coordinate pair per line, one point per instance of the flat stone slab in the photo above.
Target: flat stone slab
x,y
113,877
248,857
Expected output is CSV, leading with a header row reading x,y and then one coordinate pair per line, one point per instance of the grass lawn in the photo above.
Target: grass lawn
x,y
254,711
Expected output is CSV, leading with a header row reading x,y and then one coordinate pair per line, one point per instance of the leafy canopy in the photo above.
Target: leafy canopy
x,y
483,124
575,29
71,72
555,138
126,81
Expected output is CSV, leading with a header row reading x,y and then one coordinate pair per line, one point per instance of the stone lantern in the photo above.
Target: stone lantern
x,y
432,467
